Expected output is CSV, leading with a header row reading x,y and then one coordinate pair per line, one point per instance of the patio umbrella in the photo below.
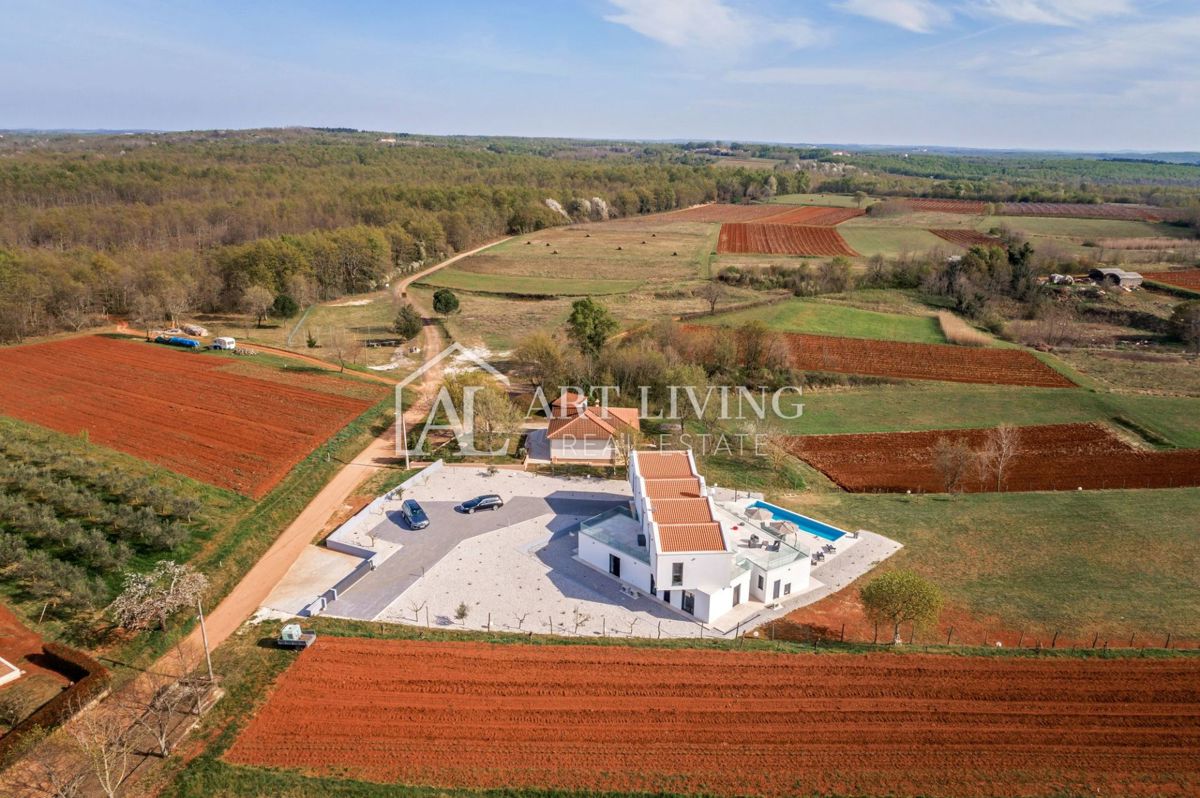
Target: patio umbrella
x,y
759,514
787,528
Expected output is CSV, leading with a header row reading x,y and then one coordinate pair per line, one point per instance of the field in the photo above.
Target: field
x,y
180,410
914,361
721,212
971,207
1083,229
1189,279
824,318
1145,213
1050,457
643,720
967,238
825,200
815,216
516,285
782,239
890,241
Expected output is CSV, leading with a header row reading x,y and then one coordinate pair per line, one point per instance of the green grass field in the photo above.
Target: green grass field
x,y
1086,229
891,241
896,408
822,318
1113,563
525,286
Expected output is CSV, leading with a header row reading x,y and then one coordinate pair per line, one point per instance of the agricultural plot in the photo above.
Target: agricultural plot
x,y
180,410
1082,229
782,239
1189,279
1144,213
970,207
823,318
967,238
515,285
1052,457
718,212
915,361
869,239
612,719
816,216
826,200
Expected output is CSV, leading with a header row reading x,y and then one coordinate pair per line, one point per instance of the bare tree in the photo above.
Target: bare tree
x,y
153,597
53,768
103,738
1000,447
520,616
176,300
580,619
145,309
160,701
416,608
257,301
344,345
711,292
953,460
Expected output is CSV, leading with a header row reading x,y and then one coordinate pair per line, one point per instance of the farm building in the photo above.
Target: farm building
x,y
675,544
590,436
568,404
1115,277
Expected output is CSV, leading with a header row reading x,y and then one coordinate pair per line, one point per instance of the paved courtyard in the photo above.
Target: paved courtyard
x,y
515,568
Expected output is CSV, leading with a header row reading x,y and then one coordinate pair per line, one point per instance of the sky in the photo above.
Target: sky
x,y
1023,74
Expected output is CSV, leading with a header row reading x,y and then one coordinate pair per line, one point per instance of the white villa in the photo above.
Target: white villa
x,y
674,543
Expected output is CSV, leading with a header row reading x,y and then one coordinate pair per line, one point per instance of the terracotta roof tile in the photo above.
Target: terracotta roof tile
x,y
681,511
690,537
673,488
664,465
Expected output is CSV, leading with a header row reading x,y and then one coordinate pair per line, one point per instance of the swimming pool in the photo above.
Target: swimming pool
x,y
809,525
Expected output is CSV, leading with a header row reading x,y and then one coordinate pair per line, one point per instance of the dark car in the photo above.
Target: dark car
x,y
489,501
413,515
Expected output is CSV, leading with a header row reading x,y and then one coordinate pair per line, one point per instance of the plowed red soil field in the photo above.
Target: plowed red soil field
x,y
1051,457
781,239
1189,279
974,207
728,213
477,716
968,238
918,361
815,216
178,409
1145,213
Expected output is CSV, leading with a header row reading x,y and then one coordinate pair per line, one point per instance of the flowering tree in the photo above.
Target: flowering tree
x,y
153,597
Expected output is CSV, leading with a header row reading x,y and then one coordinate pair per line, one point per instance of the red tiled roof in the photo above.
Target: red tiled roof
x,y
690,537
681,511
664,465
673,488
590,425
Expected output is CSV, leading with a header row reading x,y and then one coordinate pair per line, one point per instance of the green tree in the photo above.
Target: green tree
x,y
589,325
284,307
1185,321
900,597
408,323
444,301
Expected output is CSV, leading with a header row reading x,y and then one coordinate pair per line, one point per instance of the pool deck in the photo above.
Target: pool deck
x,y
734,514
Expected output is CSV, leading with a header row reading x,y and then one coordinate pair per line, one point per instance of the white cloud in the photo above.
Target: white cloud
x,y
1162,49
1055,12
918,16
707,23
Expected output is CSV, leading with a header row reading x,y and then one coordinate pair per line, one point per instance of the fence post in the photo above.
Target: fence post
x,y
1021,639
1095,638
1131,640
603,626
949,634
842,637
875,642
660,630
1055,640
1168,643
489,625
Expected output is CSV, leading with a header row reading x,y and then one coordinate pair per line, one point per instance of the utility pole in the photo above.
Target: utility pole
x,y
204,637
403,430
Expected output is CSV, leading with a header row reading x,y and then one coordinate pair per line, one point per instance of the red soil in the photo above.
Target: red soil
x,y
615,718
728,213
782,239
967,238
973,207
1051,457
1189,279
1145,213
815,216
181,410
22,647
921,361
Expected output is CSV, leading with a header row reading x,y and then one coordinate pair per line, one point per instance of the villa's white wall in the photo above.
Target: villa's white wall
x,y
590,449
633,571
701,571
797,573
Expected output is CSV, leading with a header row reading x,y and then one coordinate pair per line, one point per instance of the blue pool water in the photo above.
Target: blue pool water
x,y
809,525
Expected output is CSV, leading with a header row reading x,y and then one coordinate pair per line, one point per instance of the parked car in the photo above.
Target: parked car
x,y
488,501
413,515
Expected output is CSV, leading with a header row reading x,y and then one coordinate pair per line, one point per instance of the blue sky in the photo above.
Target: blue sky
x,y
1069,74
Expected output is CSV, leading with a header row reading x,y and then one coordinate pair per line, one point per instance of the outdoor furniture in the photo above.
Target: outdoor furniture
x,y
754,541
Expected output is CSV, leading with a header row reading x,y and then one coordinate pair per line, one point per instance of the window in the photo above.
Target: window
x,y
737,595
614,565
667,596
787,589
761,582
687,602
641,540
677,573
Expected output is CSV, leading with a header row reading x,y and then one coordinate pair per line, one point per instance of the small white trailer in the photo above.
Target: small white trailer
x,y
224,343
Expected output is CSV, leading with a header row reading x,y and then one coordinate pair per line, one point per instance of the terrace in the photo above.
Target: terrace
x,y
617,529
